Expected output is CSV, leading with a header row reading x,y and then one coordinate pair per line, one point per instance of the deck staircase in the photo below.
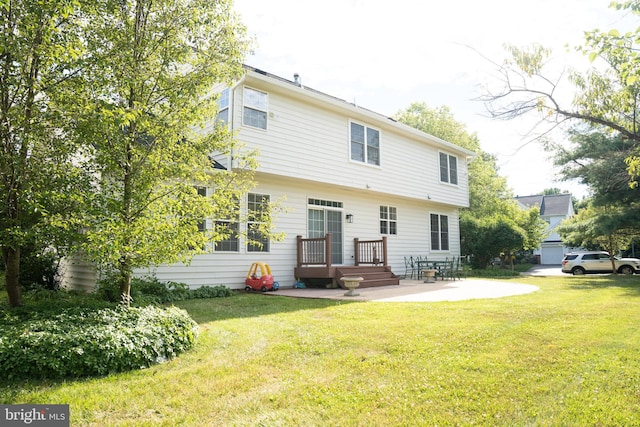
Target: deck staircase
x,y
373,276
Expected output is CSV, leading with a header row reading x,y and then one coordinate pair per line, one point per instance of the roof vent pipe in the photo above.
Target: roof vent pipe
x,y
297,80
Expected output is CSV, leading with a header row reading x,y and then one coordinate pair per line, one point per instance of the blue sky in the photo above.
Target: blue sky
x,y
385,55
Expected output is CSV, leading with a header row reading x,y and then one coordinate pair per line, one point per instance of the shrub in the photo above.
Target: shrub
x,y
211,292
493,272
150,290
80,342
40,269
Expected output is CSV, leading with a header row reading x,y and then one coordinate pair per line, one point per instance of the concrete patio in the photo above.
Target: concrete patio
x,y
417,291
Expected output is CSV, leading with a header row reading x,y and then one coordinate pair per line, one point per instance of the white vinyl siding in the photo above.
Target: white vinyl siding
x,y
306,142
230,268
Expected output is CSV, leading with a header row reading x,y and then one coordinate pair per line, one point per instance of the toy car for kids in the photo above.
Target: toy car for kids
x,y
259,278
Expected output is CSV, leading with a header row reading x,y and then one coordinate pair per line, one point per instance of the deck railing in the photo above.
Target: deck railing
x,y
317,251
370,252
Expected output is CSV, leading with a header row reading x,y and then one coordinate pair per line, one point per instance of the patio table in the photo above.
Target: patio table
x,y
439,266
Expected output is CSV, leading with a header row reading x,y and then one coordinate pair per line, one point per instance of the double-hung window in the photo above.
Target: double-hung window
x,y
255,105
388,220
228,228
258,212
223,107
202,224
365,144
448,168
439,232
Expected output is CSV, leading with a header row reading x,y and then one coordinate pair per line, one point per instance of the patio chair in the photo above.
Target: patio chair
x,y
459,268
448,271
409,267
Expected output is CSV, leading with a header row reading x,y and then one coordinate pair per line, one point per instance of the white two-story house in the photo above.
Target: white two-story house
x,y
360,189
553,209
344,173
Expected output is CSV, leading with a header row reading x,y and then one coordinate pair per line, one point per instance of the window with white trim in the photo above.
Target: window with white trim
x,y
202,225
229,229
364,144
388,220
448,168
258,212
439,232
223,107
255,105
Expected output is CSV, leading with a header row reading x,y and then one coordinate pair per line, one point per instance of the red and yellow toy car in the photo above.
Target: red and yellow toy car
x,y
259,278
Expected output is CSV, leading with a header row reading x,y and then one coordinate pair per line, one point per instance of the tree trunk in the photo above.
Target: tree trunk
x,y
11,258
125,282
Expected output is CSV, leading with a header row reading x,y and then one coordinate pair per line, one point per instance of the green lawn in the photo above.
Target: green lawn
x,y
566,355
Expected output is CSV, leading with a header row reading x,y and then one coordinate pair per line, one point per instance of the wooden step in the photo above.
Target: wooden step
x,y
372,276
370,283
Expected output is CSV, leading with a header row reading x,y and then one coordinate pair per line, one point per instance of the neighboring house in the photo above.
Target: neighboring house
x,y
553,209
360,189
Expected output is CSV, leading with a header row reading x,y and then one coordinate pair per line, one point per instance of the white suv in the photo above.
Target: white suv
x,y
598,262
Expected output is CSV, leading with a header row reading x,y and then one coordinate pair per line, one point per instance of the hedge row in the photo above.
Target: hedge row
x,y
81,341
150,290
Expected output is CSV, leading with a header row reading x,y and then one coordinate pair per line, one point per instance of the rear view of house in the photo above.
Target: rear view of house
x,y
360,189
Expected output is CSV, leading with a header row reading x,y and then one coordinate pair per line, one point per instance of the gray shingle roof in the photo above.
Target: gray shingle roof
x,y
549,205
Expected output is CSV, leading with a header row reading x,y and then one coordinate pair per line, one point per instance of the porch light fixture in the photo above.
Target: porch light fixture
x,y
350,218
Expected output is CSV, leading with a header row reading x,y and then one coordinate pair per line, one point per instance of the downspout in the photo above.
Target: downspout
x,y
232,91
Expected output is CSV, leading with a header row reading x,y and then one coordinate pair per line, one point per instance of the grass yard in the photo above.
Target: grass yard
x,y
567,355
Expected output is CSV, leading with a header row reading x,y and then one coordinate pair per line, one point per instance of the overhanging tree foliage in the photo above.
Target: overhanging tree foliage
x,y
605,97
149,116
41,56
604,151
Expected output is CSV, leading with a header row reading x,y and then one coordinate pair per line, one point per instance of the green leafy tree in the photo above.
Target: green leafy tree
x,y
597,159
605,136
41,56
605,96
491,237
148,118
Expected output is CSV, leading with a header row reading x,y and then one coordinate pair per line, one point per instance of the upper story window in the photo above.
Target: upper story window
x,y
448,169
223,107
365,144
255,108
388,220
439,232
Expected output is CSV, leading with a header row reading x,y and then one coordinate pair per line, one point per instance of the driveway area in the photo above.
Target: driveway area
x,y
545,270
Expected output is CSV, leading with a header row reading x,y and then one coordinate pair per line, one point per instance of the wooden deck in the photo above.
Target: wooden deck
x,y
314,263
